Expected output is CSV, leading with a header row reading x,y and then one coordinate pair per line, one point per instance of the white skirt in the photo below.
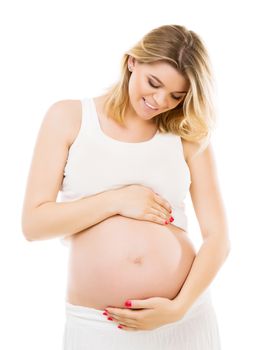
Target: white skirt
x,y
87,329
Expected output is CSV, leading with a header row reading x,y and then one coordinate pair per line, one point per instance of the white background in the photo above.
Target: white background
x,y
53,50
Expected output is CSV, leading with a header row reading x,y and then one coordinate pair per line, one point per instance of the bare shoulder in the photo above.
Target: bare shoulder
x,y
200,159
190,149
66,116
193,153
58,128
205,189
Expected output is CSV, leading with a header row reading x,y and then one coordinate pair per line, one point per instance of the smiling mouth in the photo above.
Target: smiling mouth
x,y
149,105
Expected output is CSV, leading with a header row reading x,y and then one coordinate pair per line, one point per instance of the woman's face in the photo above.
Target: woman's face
x,y
154,88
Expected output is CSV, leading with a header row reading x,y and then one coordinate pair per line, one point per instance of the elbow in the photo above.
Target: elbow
x,y
31,227
27,233
27,229
27,237
26,225
30,235
33,230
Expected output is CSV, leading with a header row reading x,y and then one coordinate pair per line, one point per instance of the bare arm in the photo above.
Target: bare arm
x,y
52,219
209,208
42,216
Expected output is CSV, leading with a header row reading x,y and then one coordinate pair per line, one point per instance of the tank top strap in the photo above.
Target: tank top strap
x,y
89,120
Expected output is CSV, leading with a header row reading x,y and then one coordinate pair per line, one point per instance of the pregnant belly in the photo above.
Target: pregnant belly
x,y
121,258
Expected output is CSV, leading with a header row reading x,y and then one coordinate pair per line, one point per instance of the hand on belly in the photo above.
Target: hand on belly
x,y
122,258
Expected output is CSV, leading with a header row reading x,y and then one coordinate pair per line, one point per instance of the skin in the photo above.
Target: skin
x,y
164,96
139,126
60,126
205,195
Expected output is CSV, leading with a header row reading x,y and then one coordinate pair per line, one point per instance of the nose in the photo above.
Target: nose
x,y
160,99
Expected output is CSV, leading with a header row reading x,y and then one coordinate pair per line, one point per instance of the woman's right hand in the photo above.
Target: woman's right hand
x,y
141,203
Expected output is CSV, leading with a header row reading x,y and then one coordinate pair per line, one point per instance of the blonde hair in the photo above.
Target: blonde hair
x,y
194,117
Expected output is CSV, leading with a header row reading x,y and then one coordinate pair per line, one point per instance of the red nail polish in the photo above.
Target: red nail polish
x,y
171,219
110,319
128,303
105,313
166,222
119,326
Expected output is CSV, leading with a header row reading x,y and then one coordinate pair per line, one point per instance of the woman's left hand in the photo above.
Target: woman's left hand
x,y
145,314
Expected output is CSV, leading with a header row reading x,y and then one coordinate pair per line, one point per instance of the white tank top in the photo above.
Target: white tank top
x,y
97,162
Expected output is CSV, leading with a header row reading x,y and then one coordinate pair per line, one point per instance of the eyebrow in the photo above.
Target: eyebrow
x,y
158,80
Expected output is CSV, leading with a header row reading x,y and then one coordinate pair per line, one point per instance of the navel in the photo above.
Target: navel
x,y
137,260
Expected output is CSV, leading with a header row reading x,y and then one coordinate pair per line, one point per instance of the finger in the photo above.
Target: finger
x,y
160,211
124,320
155,218
161,217
162,202
127,328
125,315
127,321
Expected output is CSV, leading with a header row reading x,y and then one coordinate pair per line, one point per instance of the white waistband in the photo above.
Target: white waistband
x,y
94,316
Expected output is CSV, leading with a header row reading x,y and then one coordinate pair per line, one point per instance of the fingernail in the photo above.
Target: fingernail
x,y
170,211
128,303
171,219
119,326
166,222
110,319
105,313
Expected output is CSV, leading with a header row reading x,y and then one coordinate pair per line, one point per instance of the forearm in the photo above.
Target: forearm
x,y
53,219
210,257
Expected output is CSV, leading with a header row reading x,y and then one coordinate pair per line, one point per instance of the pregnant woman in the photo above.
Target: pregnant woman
x,y
123,163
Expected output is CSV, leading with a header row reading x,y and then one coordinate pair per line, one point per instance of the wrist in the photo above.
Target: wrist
x,y
179,308
183,301
113,202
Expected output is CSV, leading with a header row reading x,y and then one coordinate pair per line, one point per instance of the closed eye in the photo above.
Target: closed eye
x,y
151,84
156,87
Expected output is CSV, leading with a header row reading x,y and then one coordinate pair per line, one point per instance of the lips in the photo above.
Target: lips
x,y
149,105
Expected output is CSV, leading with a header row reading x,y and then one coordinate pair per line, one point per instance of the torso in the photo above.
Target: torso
x,y
122,258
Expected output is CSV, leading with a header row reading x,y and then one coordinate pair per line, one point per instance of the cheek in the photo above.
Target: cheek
x,y
133,84
137,87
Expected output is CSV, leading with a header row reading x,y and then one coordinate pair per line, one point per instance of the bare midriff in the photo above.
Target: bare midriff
x,y
122,258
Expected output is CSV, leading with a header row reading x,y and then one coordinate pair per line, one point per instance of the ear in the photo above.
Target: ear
x,y
131,61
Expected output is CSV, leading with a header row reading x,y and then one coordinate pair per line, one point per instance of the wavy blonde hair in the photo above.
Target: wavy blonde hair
x,y
194,117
